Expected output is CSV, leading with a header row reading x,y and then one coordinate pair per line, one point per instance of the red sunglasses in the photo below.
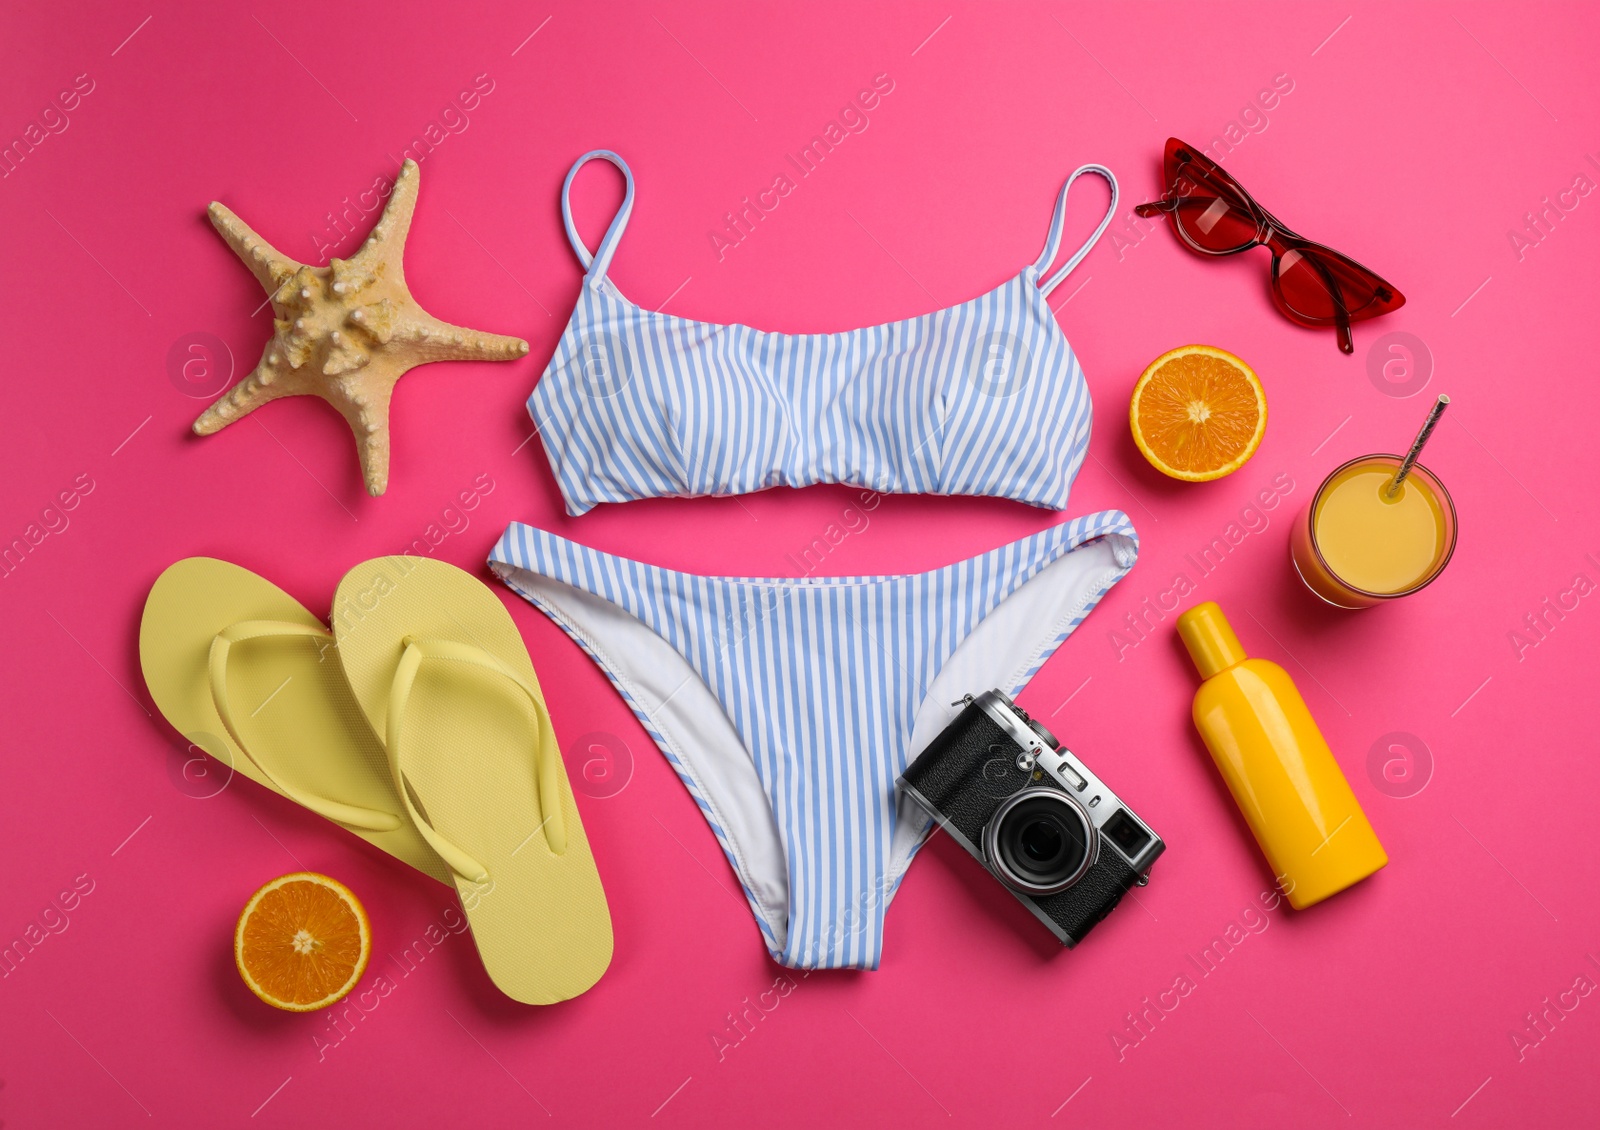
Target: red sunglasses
x,y
1312,285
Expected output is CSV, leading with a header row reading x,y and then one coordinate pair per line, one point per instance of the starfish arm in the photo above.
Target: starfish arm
x,y
384,247
367,413
348,331
268,381
271,267
434,340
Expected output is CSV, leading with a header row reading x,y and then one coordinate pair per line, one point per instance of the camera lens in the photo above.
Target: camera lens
x,y
1041,846
1039,841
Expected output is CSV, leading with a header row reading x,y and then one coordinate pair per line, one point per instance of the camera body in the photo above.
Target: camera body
x,y
1043,824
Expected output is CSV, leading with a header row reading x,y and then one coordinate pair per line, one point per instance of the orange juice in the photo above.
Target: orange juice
x,y
1357,545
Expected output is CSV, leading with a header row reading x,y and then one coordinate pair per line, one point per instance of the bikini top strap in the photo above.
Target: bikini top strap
x,y
1058,221
598,262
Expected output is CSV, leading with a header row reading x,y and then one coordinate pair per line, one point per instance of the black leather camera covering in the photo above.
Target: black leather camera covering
x,y
1080,906
967,771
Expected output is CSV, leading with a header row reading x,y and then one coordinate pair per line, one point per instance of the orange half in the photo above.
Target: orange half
x,y
1198,413
302,942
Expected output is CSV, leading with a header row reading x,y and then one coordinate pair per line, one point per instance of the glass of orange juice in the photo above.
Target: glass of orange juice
x,y
1357,544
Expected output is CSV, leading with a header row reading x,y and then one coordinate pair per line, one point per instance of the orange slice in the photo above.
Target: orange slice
x,y
1198,413
302,942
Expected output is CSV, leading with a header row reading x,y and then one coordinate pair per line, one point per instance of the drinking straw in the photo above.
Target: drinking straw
x,y
1416,446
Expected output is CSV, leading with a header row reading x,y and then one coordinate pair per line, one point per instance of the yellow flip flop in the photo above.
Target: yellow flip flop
x,y
245,672
438,666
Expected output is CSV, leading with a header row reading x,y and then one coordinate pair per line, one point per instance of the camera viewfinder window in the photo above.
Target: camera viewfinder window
x,y
1124,831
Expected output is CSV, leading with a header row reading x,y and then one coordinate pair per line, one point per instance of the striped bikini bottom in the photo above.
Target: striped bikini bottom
x,y
789,706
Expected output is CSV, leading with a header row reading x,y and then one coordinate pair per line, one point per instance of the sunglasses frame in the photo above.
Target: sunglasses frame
x,y
1187,168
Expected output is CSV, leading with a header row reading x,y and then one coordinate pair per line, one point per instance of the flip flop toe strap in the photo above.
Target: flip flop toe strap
x,y
354,816
546,763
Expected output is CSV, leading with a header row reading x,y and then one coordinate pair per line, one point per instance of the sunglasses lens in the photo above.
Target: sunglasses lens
x,y
1212,217
1311,284
1314,286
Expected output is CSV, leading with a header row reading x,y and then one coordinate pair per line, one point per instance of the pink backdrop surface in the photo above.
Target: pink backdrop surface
x,y
1415,139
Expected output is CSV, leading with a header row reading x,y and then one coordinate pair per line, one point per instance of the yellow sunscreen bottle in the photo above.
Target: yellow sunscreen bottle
x,y
1277,765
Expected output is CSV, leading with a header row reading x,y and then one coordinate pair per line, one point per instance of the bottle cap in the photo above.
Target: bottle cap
x,y
1209,638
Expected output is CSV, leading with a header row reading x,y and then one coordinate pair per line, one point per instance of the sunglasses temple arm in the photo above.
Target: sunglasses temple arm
x,y
1341,316
1347,342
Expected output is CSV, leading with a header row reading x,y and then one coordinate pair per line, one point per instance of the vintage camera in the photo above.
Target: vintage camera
x,y
1033,814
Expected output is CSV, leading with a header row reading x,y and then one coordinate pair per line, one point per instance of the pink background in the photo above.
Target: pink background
x,y
1403,142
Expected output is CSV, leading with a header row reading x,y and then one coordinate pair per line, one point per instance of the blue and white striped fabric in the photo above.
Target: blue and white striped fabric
x,y
984,398
789,706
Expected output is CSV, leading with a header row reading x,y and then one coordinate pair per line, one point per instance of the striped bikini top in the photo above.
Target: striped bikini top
x,y
983,398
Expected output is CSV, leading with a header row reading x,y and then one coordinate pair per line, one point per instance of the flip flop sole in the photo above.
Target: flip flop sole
x,y
291,704
472,756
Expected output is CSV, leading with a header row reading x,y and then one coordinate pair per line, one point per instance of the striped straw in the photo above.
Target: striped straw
x,y
1416,446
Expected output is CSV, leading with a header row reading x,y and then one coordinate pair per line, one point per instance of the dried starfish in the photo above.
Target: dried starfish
x,y
346,332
